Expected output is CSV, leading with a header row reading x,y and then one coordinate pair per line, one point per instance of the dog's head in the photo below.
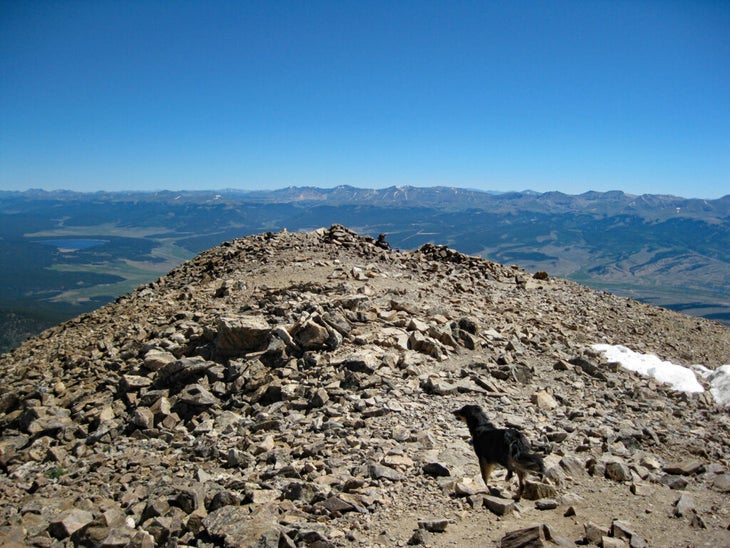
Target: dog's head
x,y
467,411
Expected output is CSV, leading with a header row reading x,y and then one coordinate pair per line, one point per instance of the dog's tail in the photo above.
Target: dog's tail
x,y
530,461
523,457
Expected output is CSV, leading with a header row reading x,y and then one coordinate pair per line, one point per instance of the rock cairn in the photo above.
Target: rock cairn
x,y
296,390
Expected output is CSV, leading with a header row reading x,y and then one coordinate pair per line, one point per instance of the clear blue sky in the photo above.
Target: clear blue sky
x,y
546,95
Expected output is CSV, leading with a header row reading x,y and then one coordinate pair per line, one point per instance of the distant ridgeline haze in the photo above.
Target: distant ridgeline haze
x,y
65,253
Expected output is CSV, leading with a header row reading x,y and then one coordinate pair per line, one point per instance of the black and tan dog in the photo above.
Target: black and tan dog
x,y
504,446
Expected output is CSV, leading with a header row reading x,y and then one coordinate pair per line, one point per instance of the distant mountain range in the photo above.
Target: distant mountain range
x,y
64,253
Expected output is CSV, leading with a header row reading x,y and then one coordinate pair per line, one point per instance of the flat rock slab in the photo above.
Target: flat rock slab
x,y
499,505
532,537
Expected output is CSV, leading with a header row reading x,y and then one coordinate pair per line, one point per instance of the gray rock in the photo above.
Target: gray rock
x,y
573,466
46,421
685,468
437,386
589,367
197,395
435,469
224,498
499,505
685,506
189,497
673,482
181,372
618,471
721,482
623,530
122,537
336,505
379,471
546,504
433,525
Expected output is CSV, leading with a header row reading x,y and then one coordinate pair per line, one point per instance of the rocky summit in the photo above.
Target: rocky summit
x,y
297,389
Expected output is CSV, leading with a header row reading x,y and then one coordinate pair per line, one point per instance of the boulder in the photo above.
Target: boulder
x,y
241,334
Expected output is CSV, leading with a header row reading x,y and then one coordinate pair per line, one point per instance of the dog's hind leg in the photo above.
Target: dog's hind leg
x,y
521,479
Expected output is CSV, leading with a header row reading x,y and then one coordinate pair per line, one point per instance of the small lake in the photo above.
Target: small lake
x,y
72,244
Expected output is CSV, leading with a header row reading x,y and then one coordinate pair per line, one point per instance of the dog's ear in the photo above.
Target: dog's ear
x,y
472,409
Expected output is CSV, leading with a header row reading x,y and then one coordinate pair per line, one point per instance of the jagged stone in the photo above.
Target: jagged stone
x,y
311,335
337,505
594,533
360,362
588,367
131,383
224,498
544,400
535,490
242,334
379,471
69,522
181,372
155,359
238,526
419,536
673,482
196,394
144,418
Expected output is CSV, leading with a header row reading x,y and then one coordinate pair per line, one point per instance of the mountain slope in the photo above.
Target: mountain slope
x,y
67,253
296,389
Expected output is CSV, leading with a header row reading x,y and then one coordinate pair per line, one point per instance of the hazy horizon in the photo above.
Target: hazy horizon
x,y
244,190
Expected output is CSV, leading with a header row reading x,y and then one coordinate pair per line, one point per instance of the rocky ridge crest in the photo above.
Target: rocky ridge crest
x,y
296,390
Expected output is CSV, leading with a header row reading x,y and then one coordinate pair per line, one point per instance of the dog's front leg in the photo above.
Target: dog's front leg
x,y
486,468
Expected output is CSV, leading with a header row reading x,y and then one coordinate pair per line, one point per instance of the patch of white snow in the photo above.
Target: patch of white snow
x,y
681,378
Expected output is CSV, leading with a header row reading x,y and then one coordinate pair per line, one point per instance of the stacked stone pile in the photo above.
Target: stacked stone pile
x,y
296,390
